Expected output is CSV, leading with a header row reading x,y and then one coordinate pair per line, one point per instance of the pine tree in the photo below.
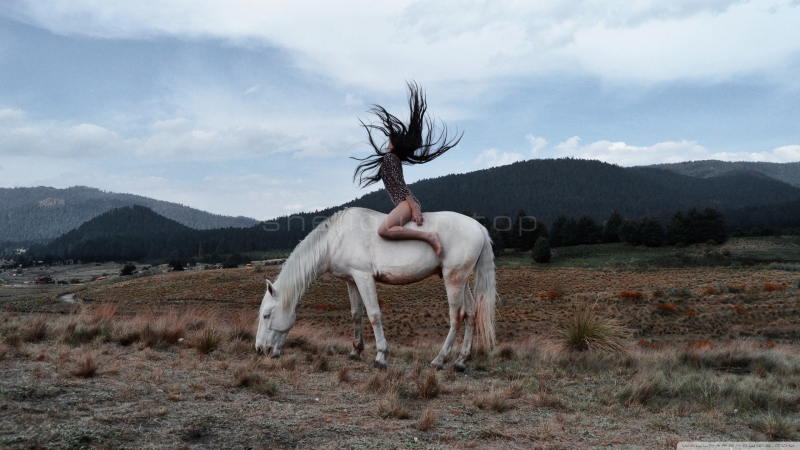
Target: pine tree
x,y
611,227
630,233
652,233
586,231
541,250
677,234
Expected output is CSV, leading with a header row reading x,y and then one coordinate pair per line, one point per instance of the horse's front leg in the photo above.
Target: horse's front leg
x,y
369,296
357,314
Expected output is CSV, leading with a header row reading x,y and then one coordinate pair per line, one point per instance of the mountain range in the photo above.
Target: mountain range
x,y
749,194
45,213
787,172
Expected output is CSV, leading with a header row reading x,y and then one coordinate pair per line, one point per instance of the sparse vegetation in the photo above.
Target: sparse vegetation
x,y
142,334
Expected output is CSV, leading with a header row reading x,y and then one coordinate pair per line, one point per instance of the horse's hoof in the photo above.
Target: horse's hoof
x,y
379,365
437,366
355,357
459,367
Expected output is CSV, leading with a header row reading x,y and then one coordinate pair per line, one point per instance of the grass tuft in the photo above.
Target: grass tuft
x,y
392,407
208,341
343,375
590,331
427,421
776,426
248,377
36,331
506,352
86,367
428,385
492,401
320,364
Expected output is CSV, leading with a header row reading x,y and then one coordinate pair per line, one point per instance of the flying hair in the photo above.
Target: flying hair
x,y
413,143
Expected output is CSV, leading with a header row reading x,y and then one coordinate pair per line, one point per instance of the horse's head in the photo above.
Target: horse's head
x,y
274,323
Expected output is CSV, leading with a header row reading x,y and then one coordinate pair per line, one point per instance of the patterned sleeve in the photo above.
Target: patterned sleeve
x,y
393,178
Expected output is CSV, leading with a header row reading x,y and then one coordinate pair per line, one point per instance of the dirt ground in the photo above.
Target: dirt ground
x,y
712,355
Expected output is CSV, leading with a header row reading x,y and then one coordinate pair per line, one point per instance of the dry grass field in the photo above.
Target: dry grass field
x,y
167,361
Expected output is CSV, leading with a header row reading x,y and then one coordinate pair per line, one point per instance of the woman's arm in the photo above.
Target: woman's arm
x,y
416,214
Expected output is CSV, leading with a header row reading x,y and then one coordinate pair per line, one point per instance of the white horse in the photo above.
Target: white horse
x,y
347,245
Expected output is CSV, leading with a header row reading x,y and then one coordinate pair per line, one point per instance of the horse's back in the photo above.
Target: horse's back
x,y
400,262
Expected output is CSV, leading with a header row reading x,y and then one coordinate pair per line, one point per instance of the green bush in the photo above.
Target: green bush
x,y
128,269
541,250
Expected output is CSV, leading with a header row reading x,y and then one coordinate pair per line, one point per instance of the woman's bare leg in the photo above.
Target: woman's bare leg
x,y
392,228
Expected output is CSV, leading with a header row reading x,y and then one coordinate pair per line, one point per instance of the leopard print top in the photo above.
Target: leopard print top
x,y
392,175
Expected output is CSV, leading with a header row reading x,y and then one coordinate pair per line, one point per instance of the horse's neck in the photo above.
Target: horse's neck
x,y
307,262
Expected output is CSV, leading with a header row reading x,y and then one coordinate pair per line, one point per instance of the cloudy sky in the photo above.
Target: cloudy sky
x,y
252,108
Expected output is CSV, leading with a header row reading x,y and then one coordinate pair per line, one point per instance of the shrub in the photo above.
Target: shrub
x,y
541,250
737,289
588,330
630,295
550,295
709,290
128,269
666,309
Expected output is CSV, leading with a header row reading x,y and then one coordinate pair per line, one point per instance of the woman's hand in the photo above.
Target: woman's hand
x,y
416,214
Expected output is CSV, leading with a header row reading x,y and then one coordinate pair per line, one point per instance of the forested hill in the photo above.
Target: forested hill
x,y
136,233
43,213
786,172
546,188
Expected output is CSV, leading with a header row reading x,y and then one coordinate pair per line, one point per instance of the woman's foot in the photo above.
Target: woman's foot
x,y
436,244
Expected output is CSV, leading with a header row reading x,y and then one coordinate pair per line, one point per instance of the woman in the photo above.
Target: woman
x,y
406,144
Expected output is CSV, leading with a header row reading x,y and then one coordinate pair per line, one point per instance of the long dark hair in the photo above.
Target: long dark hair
x,y
412,144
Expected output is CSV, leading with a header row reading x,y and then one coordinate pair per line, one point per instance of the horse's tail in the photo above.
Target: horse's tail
x,y
485,292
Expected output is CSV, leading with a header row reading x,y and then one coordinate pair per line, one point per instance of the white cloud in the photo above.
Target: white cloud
x,y
493,158
631,155
537,143
444,41
170,140
667,152
786,153
11,115
252,90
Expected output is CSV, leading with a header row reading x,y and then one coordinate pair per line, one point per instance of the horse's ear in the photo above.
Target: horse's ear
x,y
270,289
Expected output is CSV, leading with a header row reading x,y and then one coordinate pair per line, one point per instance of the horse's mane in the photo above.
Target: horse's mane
x,y
306,263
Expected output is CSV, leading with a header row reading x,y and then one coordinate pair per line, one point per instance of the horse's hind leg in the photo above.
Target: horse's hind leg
x,y
357,313
469,330
455,299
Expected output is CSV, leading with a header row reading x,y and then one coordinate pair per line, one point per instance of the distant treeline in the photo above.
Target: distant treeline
x,y
683,229
137,233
